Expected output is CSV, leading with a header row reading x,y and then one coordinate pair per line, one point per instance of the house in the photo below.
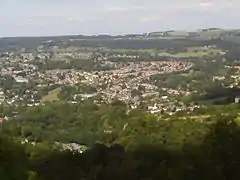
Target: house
x,y
2,119
21,80
237,99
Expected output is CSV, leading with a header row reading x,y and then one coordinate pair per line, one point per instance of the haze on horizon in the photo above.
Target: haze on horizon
x,y
61,17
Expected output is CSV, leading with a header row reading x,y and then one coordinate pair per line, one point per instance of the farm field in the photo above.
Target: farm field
x,y
190,52
52,95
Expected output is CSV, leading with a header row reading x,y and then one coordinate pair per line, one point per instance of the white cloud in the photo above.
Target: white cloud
x,y
110,9
149,18
205,4
26,21
49,17
121,8
75,18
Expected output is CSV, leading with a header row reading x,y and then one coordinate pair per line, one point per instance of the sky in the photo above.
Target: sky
x,y
88,17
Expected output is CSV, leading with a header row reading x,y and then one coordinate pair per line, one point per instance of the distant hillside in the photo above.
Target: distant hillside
x,y
201,35
195,37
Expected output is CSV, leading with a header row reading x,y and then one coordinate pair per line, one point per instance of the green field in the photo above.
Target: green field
x,y
132,50
52,95
211,52
191,52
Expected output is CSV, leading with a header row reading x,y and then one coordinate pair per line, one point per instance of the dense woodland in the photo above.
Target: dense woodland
x,y
212,156
86,123
30,43
147,148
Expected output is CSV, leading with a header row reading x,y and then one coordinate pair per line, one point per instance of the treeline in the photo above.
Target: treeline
x,y
13,44
69,92
222,95
86,123
216,157
143,43
84,64
233,55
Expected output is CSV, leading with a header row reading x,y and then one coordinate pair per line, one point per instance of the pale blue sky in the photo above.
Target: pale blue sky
x,y
58,17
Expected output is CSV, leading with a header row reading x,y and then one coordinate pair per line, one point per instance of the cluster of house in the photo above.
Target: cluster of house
x,y
74,147
171,109
128,82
